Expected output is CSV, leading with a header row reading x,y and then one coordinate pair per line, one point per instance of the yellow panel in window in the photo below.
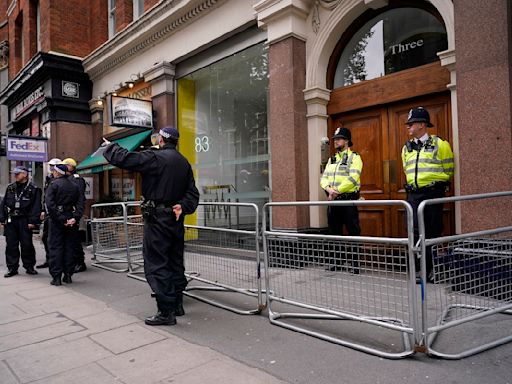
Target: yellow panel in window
x,y
187,128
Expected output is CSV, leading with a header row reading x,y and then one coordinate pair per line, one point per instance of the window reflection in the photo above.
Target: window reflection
x,y
222,117
398,39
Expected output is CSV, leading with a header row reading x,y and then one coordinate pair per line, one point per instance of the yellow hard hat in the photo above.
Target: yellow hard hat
x,y
69,161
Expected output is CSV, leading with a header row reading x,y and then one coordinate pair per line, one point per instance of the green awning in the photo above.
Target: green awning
x,y
95,164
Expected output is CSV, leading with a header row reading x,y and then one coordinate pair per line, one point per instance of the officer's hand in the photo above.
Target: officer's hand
x,y
177,211
105,142
70,222
31,226
42,216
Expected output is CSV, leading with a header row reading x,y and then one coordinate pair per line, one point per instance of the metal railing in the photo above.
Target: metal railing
x,y
369,280
472,274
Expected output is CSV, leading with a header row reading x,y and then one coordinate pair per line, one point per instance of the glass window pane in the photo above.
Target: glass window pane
x,y
398,39
222,118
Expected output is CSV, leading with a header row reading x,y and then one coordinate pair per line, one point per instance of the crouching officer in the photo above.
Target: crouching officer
x,y
428,165
169,193
78,250
19,214
341,181
65,207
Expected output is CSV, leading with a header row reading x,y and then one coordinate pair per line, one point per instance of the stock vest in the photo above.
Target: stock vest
x,y
343,172
427,163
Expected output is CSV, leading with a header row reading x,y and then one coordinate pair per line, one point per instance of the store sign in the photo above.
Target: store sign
x,y
70,89
27,102
25,149
399,48
89,187
128,112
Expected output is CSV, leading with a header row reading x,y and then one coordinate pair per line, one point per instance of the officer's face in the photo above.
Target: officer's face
x,y
339,143
417,129
21,177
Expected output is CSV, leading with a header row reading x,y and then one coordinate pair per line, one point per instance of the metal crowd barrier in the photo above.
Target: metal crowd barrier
x,y
472,281
113,236
222,259
369,280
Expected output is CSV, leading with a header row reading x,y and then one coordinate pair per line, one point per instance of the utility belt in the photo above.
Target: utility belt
x,y
66,208
17,213
150,207
434,186
348,196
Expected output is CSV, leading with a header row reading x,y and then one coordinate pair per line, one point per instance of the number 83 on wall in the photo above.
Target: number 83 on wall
x,y
202,144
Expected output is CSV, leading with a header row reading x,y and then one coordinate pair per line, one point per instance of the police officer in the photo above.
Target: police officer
x,y
46,223
19,214
341,181
428,165
80,182
65,206
169,193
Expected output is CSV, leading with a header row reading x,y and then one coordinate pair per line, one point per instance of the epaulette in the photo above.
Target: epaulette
x,y
76,175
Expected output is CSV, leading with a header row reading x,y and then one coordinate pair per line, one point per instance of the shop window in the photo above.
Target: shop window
x,y
123,185
222,118
397,39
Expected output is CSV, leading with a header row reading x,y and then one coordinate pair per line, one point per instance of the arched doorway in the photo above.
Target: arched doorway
x,y
384,64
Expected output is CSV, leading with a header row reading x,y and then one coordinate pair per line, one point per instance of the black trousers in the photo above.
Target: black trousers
x,y
163,246
338,218
433,216
78,250
44,238
60,243
19,237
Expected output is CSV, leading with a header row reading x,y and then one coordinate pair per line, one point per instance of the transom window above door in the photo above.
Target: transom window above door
x,y
398,39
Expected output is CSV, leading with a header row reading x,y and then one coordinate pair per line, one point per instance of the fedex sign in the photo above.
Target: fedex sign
x,y
26,149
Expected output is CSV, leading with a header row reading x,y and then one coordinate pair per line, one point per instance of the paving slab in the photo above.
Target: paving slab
x,y
90,373
126,338
108,319
45,362
32,322
6,375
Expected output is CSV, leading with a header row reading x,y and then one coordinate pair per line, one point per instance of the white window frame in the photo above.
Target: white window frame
x,y
138,9
111,18
38,25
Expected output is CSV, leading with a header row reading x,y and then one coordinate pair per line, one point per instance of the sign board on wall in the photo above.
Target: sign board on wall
x,y
26,149
128,112
89,187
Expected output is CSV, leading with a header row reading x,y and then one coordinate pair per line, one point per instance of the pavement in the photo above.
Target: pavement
x,y
92,331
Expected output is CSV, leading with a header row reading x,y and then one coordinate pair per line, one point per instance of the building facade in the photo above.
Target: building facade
x,y
255,86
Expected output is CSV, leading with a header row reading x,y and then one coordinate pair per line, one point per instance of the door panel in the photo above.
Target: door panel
x,y
378,135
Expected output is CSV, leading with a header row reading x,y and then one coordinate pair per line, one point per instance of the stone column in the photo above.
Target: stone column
x,y
483,41
161,77
285,22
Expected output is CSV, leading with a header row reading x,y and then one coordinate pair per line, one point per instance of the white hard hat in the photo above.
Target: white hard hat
x,y
55,161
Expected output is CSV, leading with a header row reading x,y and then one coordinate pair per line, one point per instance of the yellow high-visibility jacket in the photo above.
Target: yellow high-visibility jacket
x,y
433,162
343,172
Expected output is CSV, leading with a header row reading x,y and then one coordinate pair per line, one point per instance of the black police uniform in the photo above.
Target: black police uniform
x,y
20,207
167,179
46,224
78,250
63,202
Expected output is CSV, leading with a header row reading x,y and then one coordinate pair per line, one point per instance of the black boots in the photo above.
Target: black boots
x,y
56,281
161,318
11,272
178,306
80,268
44,265
67,279
31,271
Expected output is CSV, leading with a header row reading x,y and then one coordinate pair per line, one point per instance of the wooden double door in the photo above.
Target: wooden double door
x,y
378,134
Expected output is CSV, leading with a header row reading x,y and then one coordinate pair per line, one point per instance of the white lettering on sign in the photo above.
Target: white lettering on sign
x,y
28,101
399,48
89,187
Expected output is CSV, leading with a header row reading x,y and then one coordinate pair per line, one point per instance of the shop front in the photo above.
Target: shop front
x,y
48,101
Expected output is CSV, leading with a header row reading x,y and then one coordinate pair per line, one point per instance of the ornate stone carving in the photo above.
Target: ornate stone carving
x,y
327,4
